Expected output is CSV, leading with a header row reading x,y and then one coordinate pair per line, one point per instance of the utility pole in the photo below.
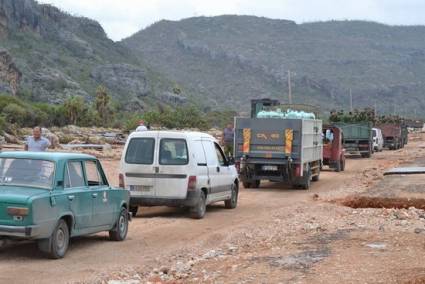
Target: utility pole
x,y
289,87
374,109
351,101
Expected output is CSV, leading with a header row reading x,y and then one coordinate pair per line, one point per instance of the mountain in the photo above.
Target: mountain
x,y
48,55
230,59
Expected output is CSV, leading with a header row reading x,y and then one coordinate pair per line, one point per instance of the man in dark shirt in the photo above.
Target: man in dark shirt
x,y
228,139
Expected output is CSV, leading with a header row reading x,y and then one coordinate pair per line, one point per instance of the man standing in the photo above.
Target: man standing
x,y
36,142
228,139
141,126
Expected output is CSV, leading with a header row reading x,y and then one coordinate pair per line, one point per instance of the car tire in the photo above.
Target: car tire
x,y
198,211
120,230
56,245
233,201
133,210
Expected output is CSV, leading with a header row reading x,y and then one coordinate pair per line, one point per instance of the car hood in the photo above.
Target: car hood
x,y
19,194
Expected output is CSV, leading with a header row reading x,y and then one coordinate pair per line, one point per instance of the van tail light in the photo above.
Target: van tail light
x,y
191,184
121,181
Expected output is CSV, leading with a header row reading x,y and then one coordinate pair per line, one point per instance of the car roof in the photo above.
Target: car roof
x,y
171,134
48,156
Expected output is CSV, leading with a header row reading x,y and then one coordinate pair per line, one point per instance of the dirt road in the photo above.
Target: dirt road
x,y
276,234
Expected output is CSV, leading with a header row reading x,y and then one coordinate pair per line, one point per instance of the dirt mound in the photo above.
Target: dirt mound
x,y
379,202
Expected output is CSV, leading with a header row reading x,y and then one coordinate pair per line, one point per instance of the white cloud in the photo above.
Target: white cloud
x,y
123,18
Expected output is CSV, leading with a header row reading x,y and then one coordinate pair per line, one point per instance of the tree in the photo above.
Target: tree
x,y
103,105
74,107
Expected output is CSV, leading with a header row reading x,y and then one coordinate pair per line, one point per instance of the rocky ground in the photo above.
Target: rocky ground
x,y
276,235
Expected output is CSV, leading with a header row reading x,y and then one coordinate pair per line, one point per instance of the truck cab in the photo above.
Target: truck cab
x,y
333,148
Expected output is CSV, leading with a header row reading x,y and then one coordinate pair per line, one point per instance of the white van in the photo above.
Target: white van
x,y
177,169
378,139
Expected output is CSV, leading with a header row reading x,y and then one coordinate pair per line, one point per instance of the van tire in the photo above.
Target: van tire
x,y
233,201
198,211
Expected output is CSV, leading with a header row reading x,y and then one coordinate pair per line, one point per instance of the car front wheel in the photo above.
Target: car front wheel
x,y
119,232
56,246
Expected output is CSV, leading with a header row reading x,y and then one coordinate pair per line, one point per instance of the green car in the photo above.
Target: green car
x,y
51,197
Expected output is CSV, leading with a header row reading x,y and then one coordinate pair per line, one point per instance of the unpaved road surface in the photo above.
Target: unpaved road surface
x,y
276,234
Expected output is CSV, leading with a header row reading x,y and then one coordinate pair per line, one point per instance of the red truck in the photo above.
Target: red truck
x,y
333,148
392,134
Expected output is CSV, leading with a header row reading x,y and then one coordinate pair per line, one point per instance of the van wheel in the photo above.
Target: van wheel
x,y
133,210
56,246
119,232
233,201
198,211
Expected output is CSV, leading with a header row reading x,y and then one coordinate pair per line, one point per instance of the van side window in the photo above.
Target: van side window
x,y
74,175
173,152
220,156
140,151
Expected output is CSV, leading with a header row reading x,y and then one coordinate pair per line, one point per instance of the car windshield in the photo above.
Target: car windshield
x,y
26,172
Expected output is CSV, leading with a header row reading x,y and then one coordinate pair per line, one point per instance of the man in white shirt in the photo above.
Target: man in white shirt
x,y
36,142
141,126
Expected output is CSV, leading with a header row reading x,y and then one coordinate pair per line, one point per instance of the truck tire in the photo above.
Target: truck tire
x,y
56,245
342,165
133,210
256,183
366,155
306,182
120,230
316,177
198,211
338,167
233,201
246,184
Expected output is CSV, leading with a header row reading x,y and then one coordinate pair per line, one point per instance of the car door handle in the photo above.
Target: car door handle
x,y
71,197
94,195
218,169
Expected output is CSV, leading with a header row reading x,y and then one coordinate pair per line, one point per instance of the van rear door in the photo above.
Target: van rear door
x,y
173,168
139,169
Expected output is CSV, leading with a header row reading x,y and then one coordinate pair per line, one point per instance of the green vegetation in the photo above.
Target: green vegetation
x,y
103,112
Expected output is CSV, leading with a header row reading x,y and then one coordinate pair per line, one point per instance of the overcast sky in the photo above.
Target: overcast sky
x,y
122,18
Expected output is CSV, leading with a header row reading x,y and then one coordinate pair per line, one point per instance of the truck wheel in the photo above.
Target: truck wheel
x,y
56,245
233,201
316,177
246,184
119,232
338,167
342,165
306,180
198,211
366,155
256,183
133,210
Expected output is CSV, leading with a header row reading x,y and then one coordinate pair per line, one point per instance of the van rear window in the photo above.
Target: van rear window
x,y
140,151
173,152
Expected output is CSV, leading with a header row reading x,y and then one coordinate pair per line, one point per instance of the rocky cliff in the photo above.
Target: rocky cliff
x,y
60,55
230,59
